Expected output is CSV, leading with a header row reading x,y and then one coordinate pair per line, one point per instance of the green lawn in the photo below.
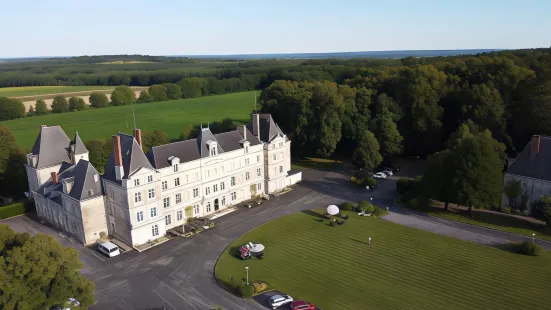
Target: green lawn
x,y
404,268
316,163
169,116
46,90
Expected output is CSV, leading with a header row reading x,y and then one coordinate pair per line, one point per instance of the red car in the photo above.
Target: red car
x,y
302,305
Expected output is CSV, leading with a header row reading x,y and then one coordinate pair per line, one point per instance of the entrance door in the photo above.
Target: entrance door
x,y
216,205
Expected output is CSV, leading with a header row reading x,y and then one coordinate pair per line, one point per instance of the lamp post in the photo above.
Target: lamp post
x,y
247,271
533,237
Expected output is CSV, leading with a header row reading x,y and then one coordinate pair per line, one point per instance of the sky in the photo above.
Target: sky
x,y
210,27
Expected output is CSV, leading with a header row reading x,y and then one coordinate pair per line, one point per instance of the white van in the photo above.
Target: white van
x,y
109,248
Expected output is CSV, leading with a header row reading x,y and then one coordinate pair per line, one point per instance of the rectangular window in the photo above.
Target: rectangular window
x,y
178,198
274,156
280,144
246,161
259,186
153,212
166,202
280,169
139,216
232,182
176,168
208,206
207,190
195,192
149,178
246,149
137,197
187,178
215,188
222,186
177,182
179,215
273,146
257,158
168,219
155,230
136,182
247,175
151,193
233,196
196,209
223,200
258,172
165,185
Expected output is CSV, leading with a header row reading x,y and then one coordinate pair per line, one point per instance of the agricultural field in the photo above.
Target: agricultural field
x,y
403,268
169,116
46,90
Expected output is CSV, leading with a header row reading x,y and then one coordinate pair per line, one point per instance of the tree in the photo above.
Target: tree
x,y
41,107
145,97
190,132
386,131
99,152
541,209
81,105
153,138
11,109
123,95
60,105
158,92
31,109
513,190
366,155
14,179
36,272
98,100
73,102
440,177
7,145
173,91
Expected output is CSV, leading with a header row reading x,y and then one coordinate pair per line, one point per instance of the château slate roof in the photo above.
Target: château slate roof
x,y
193,149
82,178
51,147
537,166
133,158
268,128
78,145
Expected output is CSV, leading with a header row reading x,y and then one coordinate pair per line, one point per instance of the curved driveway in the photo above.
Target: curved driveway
x,y
179,273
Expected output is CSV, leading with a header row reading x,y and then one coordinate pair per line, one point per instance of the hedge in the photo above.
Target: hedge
x,y
404,186
17,208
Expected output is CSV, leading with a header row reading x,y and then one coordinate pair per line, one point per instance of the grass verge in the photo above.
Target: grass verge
x,y
316,163
403,268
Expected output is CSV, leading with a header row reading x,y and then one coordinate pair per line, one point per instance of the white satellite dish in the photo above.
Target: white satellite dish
x,y
333,210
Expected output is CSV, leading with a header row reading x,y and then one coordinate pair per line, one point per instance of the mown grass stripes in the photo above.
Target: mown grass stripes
x,y
404,268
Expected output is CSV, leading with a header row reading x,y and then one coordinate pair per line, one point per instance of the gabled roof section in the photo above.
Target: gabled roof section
x,y
189,150
51,146
268,128
537,166
133,158
78,145
81,176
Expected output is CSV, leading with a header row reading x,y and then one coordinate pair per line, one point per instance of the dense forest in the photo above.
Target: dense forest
x,y
370,109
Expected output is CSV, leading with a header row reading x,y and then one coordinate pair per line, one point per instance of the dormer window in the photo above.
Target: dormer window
x,y
213,148
246,146
176,168
90,192
213,151
96,178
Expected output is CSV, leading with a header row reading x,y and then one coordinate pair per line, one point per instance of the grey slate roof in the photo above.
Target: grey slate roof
x,y
78,146
268,128
188,150
51,146
133,158
80,175
537,166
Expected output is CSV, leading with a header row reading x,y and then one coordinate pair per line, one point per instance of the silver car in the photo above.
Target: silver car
x,y
277,301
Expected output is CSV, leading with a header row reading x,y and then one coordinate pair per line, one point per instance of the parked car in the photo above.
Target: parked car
x,y
302,305
379,175
394,169
70,303
277,301
388,172
109,248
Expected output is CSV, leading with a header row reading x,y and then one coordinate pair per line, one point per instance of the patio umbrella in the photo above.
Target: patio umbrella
x,y
333,210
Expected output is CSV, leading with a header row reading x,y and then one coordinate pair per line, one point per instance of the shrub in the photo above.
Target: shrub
x,y
332,223
369,181
378,211
347,206
246,291
528,248
404,186
13,210
102,235
414,203
366,206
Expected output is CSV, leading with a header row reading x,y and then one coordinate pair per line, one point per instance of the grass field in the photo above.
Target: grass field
x,y
169,116
404,268
46,90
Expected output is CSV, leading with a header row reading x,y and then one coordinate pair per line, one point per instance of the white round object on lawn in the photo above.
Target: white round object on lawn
x,y
333,210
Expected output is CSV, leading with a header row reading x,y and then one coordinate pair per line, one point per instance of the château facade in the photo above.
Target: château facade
x,y
140,196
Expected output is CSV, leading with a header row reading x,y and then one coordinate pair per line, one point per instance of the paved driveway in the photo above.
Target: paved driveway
x,y
179,273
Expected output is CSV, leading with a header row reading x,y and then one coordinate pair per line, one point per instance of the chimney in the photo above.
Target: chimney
x,y
535,145
244,132
256,125
138,136
54,177
118,157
